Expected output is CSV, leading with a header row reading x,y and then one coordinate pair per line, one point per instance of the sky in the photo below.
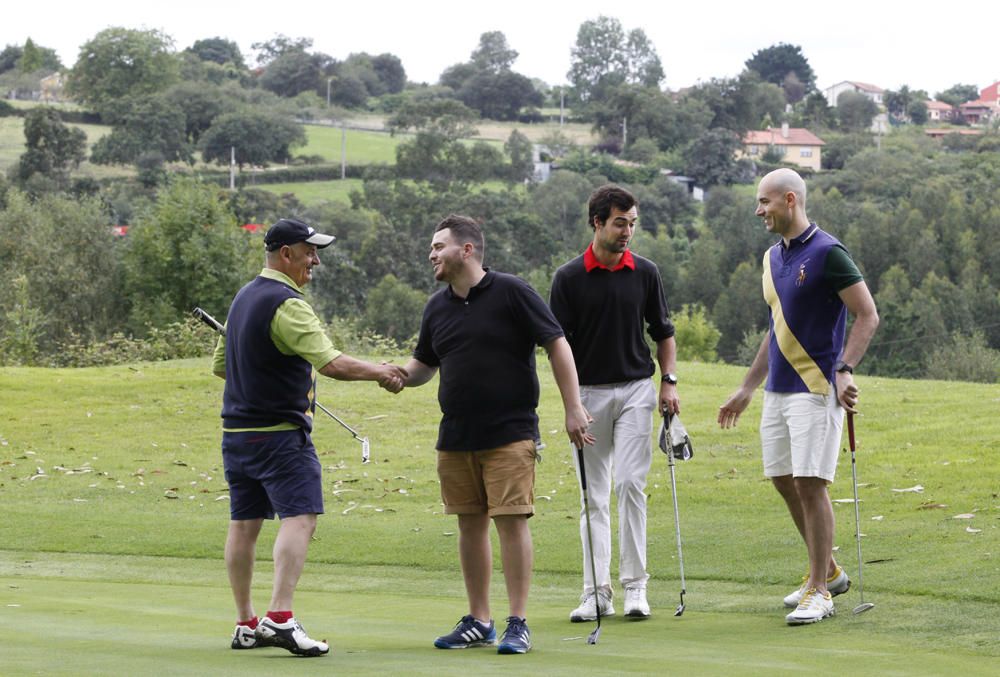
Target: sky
x,y
887,43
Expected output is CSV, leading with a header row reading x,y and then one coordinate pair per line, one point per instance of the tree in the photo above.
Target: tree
x,y
711,158
739,309
65,248
218,50
390,72
487,84
499,96
741,103
188,251
956,95
493,54
696,336
604,57
294,71
53,148
776,62
144,125
394,308
855,111
122,62
269,50
650,114
259,138
817,113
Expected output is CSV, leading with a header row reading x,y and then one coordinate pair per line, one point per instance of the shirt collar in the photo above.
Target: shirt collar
x,y
477,289
278,276
590,261
803,238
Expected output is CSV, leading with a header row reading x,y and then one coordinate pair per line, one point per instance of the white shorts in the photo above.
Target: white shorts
x,y
800,434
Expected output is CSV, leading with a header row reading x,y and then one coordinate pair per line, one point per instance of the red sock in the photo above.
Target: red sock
x,y
280,616
252,623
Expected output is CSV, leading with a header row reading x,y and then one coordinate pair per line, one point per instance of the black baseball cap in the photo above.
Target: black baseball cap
x,y
290,231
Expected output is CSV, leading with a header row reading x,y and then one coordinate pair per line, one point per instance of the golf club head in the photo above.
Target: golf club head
x,y
592,639
680,610
861,608
366,450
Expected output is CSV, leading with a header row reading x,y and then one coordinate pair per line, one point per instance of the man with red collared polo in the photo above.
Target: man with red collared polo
x,y
603,299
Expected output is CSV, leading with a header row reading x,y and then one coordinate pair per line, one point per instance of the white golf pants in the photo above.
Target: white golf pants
x,y
623,422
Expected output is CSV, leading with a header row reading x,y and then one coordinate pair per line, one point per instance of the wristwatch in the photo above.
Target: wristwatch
x,y
843,366
669,378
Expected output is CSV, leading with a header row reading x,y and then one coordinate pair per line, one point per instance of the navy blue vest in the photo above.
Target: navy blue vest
x,y
264,387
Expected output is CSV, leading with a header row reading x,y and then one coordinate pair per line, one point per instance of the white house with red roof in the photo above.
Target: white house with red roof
x,y
797,146
939,110
873,92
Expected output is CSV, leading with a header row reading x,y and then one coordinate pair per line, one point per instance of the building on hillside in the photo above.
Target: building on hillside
x,y
796,145
51,88
940,132
873,92
939,111
983,109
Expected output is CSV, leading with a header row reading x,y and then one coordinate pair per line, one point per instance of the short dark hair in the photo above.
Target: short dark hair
x,y
464,229
605,198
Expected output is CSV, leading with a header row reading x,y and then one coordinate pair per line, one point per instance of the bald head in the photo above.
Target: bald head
x,y
783,181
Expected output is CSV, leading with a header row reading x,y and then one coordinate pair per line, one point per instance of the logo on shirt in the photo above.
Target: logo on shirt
x,y
801,279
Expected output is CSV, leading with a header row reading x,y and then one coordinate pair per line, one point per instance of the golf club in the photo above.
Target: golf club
x,y
365,445
666,446
864,606
592,639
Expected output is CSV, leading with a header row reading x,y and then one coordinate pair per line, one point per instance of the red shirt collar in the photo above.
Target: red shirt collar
x,y
590,261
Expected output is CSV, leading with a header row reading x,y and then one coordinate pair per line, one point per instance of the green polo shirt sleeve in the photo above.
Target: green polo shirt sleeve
x,y
219,356
296,330
841,271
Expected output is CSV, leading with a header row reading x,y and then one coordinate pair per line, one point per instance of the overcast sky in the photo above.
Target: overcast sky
x,y
887,43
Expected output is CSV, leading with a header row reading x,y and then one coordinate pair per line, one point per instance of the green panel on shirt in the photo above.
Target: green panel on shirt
x,y
841,271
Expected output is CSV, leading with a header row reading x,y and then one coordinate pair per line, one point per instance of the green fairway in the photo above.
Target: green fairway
x,y
116,509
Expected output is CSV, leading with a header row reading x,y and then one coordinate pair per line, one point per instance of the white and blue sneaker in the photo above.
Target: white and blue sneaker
x,y
516,638
468,633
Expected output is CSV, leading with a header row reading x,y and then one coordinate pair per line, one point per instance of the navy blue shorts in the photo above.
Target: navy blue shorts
x,y
272,472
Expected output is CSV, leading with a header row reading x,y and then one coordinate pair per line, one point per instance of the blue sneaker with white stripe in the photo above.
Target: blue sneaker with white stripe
x,y
516,638
468,633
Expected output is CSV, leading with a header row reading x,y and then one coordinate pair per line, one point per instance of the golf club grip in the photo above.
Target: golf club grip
x,y
850,429
583,472
209,320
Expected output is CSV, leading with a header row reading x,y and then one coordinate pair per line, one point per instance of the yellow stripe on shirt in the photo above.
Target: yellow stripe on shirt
x,y
790,348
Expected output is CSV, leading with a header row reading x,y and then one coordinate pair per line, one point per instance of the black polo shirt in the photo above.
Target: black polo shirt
x,y
603,313
485,347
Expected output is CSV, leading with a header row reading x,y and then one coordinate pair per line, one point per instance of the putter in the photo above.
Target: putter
x,y
666,446
592,639
864,606
365,445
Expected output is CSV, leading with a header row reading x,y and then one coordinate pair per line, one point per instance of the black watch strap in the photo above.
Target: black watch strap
x,y
843,366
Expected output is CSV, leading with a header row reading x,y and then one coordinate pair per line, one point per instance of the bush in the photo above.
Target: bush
x,y
177,340
749,346
965,358
695,334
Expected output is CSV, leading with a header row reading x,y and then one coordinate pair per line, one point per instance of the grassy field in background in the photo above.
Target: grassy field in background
x,y
315,192
115,513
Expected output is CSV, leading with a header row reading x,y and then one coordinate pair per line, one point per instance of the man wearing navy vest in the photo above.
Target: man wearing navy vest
x,y
810,284
273,344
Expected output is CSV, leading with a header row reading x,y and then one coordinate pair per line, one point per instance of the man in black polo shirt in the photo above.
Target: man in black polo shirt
x,y
602,299
481,332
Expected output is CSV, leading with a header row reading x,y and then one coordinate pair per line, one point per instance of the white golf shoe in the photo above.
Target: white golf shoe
x,y
587,611
814,607
636,605
837,584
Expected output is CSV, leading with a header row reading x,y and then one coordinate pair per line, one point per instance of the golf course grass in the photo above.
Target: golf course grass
x,y
115,511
